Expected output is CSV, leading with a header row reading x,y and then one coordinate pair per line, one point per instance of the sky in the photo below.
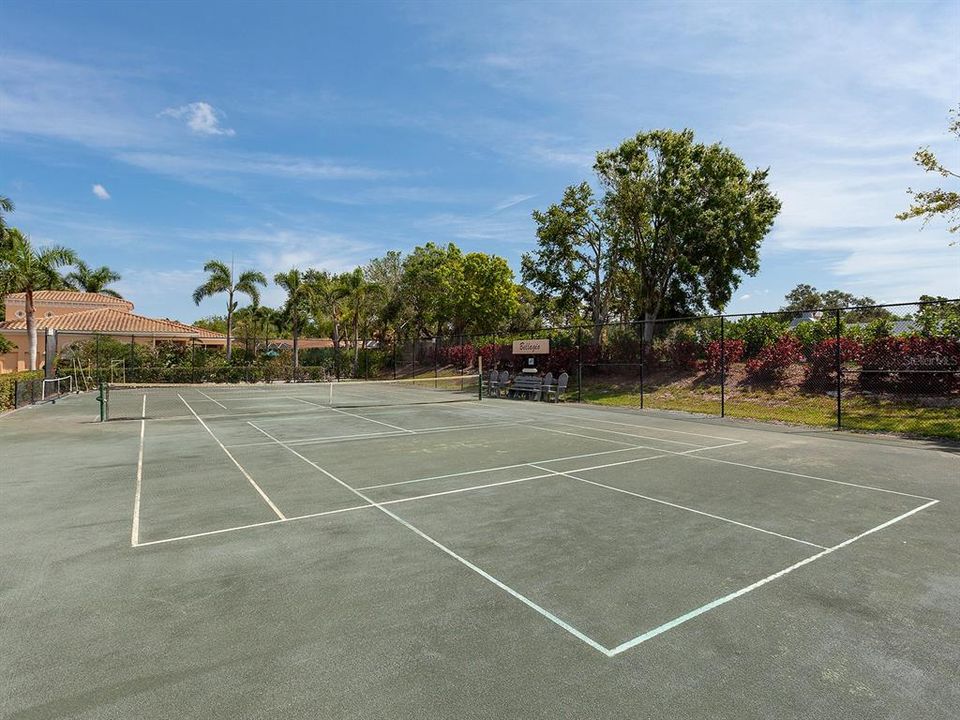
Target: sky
x,y
152,137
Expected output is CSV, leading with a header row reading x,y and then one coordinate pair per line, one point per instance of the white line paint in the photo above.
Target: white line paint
x,y
808,477
266,499
253,525
663,429
760,583
500,467
682,507
633,435
369,436
135,528
344,412
588,437
691,454
443,548
212,400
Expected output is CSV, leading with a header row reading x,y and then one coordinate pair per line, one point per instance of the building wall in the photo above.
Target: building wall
x,y
18,360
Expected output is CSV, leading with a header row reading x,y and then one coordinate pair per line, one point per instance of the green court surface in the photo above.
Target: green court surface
x,y
254,553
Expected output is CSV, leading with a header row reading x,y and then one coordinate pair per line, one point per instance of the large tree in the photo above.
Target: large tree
x,y
26,269
90,280
222,280
929,204
429,285
296,306
487,297
573,265
386,273
327,298
689,220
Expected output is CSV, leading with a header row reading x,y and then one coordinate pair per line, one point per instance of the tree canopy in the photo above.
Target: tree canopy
x,y
928,204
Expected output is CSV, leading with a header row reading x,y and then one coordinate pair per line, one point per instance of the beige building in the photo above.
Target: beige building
x,y
79,316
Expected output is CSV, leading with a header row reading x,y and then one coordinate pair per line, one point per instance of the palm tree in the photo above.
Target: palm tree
x,y
6,206
85,279
221,280
297,304
26,269
359,292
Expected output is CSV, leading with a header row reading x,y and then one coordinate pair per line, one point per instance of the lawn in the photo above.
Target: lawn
x,y
788,404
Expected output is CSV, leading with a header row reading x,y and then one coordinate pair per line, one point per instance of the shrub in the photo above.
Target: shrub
x,y
823,357
8,385
912,364
676,354
812,333
773,360
732,353
758,331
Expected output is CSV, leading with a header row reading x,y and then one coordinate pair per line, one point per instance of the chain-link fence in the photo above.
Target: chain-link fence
x,y
893,368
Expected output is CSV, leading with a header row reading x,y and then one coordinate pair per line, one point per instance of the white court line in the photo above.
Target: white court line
x,y
550,473
370,436
466,563
760,583
135,528
253,525
239,466
808,477
689,453
552,414
344,412
212,400
679,507
500,467
642,437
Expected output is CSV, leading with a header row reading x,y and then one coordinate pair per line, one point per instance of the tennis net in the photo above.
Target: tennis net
x,y
134,401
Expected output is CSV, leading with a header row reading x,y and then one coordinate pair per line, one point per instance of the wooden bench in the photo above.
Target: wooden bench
x,y
525,385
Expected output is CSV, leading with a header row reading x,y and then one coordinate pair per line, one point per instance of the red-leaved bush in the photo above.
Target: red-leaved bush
x,y
823,357
911,364
773,360
732,353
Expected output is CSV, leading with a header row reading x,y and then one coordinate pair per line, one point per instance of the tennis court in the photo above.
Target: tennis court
x,y
405,550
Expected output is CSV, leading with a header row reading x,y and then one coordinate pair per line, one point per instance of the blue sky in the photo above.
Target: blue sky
x,y
154,136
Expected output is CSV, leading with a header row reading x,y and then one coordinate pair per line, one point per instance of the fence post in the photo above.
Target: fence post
x,y
16,394
394,357
336,358
723,372
839,368
643,358
579,365
436,361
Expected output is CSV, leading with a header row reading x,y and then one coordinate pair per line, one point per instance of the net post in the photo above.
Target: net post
x,y
839,367
102,399
723,371
479,377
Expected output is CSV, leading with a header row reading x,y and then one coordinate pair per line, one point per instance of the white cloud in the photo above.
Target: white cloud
x,y
746,296
101,192
213,167
201,117
512,201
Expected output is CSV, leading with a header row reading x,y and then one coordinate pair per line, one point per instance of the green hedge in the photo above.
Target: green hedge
x,y
8,383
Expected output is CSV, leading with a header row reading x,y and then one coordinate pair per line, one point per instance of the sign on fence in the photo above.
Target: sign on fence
x,y
531,347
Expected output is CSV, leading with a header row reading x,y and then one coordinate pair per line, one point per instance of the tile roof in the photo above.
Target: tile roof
x,y
109,321
72,297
